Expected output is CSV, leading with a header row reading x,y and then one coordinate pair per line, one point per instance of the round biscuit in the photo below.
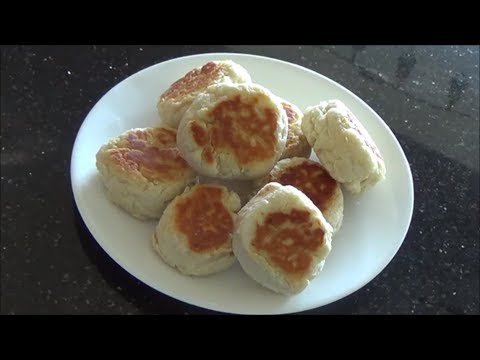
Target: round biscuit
x,y
194,235
173,103
343,146
233,131
142,171
281,239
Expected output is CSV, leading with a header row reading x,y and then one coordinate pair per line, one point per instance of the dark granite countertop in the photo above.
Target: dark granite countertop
x,y
50,264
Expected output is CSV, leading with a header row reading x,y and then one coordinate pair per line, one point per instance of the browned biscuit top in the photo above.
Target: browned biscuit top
x,y
311,179
194,81
203,219
239,126
152,153
289,240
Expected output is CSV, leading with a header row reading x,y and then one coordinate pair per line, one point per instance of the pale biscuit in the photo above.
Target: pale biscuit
x,y
343,146
297,144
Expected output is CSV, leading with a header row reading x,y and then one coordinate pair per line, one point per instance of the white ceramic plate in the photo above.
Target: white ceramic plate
x,y
374,226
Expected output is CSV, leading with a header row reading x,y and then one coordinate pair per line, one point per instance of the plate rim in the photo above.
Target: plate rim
x,y
119,260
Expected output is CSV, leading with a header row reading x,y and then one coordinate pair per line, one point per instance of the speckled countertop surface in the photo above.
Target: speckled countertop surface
x,y
50,264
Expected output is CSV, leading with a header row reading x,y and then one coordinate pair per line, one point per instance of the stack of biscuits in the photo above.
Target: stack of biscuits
x,y
227,173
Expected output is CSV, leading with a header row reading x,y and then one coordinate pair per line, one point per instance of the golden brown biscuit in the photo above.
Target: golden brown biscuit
x,y
233,131
142,170
194,234
173,103
281,239
314,181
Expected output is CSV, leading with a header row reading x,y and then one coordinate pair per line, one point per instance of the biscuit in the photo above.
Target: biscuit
x,y
343,146
173,103
245,189
314,181
233,131
142,171
281,239
297,144
194,234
